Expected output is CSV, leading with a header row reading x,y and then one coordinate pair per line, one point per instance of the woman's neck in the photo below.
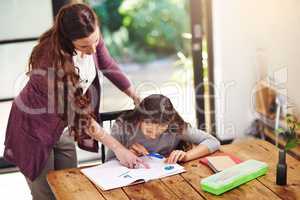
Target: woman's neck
x,y
79,53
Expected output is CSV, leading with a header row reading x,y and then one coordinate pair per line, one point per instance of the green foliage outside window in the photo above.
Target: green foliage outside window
x,y
142,30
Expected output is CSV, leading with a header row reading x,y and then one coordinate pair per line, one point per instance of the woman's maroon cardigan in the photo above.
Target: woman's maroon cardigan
x,y
30,136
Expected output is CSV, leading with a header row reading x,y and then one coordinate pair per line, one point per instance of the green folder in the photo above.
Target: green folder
x,y
233,176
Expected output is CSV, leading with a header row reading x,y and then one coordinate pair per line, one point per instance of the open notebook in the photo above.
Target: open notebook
x,y
112,174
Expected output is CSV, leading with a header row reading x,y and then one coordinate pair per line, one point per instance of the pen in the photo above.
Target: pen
x,y
155,155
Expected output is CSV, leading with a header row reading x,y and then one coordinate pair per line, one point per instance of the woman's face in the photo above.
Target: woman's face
x,y
152,130
88,44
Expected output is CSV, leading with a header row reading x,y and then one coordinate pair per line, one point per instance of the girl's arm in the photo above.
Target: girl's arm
x,y
206,143
179,155
196,152
197,136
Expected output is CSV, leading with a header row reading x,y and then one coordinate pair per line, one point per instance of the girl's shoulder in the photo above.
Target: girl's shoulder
x,y
180,130
119,121
125,125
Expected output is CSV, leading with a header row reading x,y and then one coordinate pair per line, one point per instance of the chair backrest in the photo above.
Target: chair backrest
x,y
109,117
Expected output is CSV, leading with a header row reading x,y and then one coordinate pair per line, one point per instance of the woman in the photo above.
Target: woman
x,y
63,91
155,126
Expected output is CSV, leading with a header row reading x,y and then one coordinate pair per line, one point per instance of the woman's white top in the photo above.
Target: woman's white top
x,y
87,70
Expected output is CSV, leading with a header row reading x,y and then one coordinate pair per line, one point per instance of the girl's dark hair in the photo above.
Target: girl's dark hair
x,y
73,21
157,108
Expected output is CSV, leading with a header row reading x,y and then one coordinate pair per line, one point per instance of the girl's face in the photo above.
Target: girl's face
x,y
88,44
152,130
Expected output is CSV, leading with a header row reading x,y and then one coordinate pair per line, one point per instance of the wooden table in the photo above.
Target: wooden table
x,y
70,184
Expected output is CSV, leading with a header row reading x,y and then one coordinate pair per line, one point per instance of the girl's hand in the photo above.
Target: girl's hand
x,y
176,156
138,149
128,159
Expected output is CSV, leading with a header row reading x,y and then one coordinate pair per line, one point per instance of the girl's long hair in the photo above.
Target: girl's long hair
x,y
156,108
73,21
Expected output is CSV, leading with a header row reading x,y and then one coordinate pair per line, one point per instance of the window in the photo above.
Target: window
x,y
20,28
151,42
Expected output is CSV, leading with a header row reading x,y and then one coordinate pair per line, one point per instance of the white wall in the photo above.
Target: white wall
x,y
20,20
13,65
252,38
24,19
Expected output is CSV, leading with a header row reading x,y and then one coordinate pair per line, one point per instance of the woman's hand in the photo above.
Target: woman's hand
x,y
128,159
138,149
176,156
95,130
136,100
133,95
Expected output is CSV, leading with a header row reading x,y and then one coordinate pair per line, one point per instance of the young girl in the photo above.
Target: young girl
x,y
154,126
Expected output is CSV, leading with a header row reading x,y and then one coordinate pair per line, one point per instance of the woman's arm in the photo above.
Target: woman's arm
x,y
116,133
133,95
111,70
125,157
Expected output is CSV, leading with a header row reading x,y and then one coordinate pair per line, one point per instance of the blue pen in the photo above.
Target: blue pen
x,y
155,155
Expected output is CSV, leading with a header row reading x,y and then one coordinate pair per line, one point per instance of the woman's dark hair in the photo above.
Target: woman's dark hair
x,y
157,108
73,21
